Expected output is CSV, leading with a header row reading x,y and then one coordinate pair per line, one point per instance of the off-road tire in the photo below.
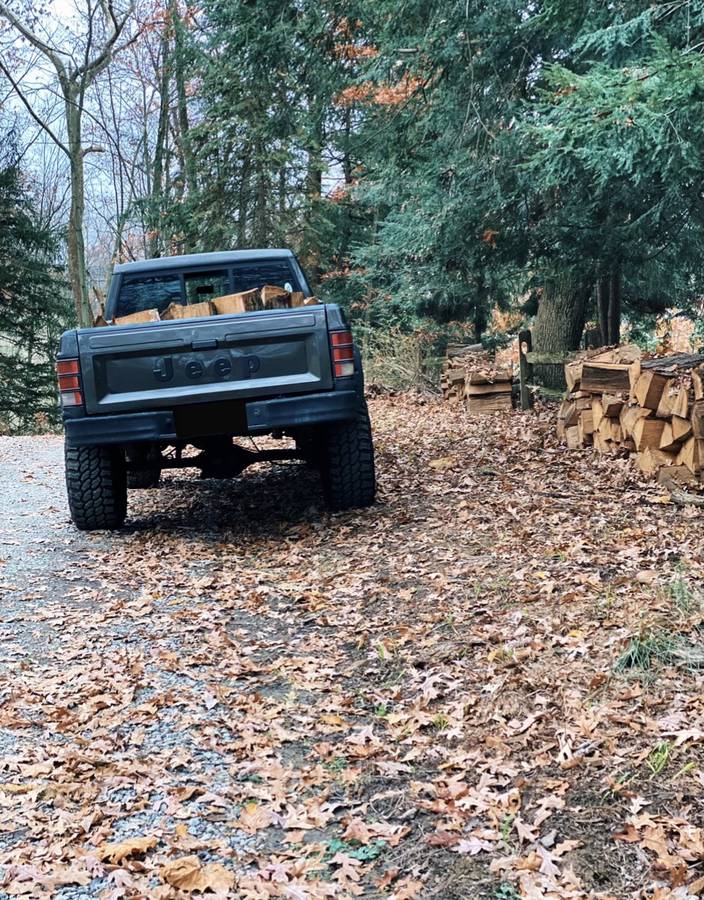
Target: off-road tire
x,y
96,484
143,478
348,463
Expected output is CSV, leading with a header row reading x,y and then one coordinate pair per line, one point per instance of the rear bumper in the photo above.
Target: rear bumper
x,y
311,409
261,416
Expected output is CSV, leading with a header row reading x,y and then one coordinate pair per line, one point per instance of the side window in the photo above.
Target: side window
x,y
148,292
202,286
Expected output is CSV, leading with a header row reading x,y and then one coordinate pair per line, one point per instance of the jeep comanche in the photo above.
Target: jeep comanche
x,y
135,396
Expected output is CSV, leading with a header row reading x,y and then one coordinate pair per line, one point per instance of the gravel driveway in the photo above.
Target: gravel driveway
x,y
241,694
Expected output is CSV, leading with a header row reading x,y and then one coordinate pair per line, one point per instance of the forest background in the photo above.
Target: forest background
x,y
445,170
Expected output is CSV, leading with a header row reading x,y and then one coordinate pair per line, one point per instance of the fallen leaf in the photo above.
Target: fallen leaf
x,y
187,874
116,853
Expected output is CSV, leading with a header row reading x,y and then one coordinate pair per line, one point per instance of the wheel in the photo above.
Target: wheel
x,y
96,485
348,463
147,472
143,478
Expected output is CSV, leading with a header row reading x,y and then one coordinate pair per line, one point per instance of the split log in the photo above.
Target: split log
x,y
630,415
572,437
489,403
597,411
272,296
245,301
691,455
668,441
602,445
573,374
190,311
651,460
698,383
610,430
501,375
601,377
478,390
145,315
698,419
681,428
647,433
586,427
680,407
649,389
612,405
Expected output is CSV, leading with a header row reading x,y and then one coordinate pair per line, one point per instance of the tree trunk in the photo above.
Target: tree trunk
x,y
243,202
260,224
614,313
346,159
75,241
189,174
314,189
481,319
603,291
559,324
155,207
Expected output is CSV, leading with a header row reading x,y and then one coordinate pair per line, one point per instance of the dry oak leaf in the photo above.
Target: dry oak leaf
x,y
187,874
407,889
443,463
254,817
116,853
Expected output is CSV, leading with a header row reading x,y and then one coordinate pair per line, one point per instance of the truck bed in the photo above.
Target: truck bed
x,y
161,365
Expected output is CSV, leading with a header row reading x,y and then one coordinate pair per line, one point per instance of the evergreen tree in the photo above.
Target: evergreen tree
x,y
553,149
269,72
35,307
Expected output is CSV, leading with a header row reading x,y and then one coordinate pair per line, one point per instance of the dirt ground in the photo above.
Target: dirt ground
x,y
487,686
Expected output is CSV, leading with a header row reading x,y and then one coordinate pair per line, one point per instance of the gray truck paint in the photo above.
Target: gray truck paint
x,y
276,362
165,364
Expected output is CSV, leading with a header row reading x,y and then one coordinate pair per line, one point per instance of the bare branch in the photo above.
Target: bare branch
x,y
42,124
50,52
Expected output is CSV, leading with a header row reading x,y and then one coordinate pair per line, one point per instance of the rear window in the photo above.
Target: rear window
x,y
202,286
148,292
257,274
140,292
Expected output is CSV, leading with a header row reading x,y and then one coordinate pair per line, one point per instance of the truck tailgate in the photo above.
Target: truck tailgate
x,y
166,364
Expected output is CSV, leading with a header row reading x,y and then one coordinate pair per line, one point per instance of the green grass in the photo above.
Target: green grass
x,y
656,647
659,757
685,598
506,891
355,849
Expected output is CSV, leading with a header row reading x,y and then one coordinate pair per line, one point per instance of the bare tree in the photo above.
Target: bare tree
x,y
105,27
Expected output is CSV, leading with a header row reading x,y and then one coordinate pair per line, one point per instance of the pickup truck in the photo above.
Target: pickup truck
x,y
136,396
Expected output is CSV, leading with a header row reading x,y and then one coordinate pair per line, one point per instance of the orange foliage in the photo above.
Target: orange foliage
x,y
355,51
379,94
674,331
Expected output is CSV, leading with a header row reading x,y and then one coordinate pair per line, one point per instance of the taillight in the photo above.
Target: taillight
x,y
342,347
68,372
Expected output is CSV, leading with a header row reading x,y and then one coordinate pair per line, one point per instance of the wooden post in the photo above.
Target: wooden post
x,y
525,345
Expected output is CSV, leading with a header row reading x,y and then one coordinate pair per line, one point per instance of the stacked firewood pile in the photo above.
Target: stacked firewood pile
x,y
651,408
470,376
271,296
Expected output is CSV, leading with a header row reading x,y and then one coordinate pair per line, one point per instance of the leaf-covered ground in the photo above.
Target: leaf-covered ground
x,y
487,686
